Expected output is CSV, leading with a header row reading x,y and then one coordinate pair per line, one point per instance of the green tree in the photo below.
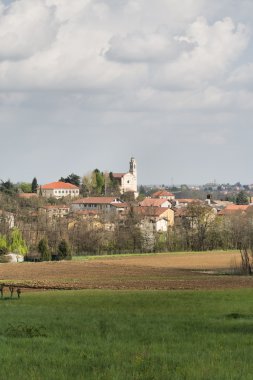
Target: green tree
x,y
242,198
16,243
26,187
74,179
93,183
63,250
34,185
8,187
44,250
100,181
3,245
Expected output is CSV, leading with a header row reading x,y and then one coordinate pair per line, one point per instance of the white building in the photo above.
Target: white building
x,y
128,181
98,204
58,190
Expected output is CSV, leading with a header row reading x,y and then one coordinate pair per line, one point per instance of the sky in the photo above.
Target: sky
x,y
87,84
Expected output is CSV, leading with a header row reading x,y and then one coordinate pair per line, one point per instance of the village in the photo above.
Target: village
x,y
114,217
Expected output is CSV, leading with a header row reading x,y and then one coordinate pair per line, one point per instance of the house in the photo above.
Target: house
x,y
192,216
58,190
127,182
98,204
163,194
93,219
54,211
186,201
236,210
155,202
160,217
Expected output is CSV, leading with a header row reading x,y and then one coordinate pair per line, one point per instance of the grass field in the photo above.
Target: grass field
x,y
92,334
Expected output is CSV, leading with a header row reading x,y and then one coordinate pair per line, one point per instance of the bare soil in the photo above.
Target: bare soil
x,y
161,271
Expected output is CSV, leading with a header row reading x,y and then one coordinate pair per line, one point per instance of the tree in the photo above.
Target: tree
x,y
63,250
241,231
111,185
88,183
43,249
8,187
16,243
3,245
100,182
197,221
93,183
242,198
26,187
74,179
34,185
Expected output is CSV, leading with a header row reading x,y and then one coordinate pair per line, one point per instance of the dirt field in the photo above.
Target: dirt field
x,y
161,271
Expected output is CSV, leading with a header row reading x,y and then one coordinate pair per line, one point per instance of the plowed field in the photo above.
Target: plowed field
x,y
160,271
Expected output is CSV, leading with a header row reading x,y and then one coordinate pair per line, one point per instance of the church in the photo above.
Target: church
x,y
127,182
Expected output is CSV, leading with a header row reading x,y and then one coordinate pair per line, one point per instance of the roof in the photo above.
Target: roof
x,y
188,200
162,193
58,185
97,200
153,202
118,175
235,208
150,211
120,205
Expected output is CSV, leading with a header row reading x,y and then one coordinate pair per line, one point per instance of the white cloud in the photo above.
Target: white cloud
x,y
217,46
26,27
148,48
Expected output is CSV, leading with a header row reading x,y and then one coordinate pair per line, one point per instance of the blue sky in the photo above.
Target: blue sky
x,y
86,84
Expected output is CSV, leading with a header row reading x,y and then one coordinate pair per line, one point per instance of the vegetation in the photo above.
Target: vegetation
x,y
64,250
44,250
99,335
74,179
8,187
34,185
13,243
25,187
242,198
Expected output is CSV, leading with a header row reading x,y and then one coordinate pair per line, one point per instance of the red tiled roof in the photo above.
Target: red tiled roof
x,y
58,185
188,200
234,208
153,202
162,193
150,211
118,175
120,205
97,200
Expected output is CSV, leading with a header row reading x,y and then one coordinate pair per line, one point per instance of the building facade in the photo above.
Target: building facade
x,y
58,190
127,182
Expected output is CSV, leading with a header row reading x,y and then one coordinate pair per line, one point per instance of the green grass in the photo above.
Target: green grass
x,y
119,255
127,335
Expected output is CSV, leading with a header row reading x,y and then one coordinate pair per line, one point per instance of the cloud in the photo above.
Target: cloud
x,y
242,76
26,27
217,46
146,48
